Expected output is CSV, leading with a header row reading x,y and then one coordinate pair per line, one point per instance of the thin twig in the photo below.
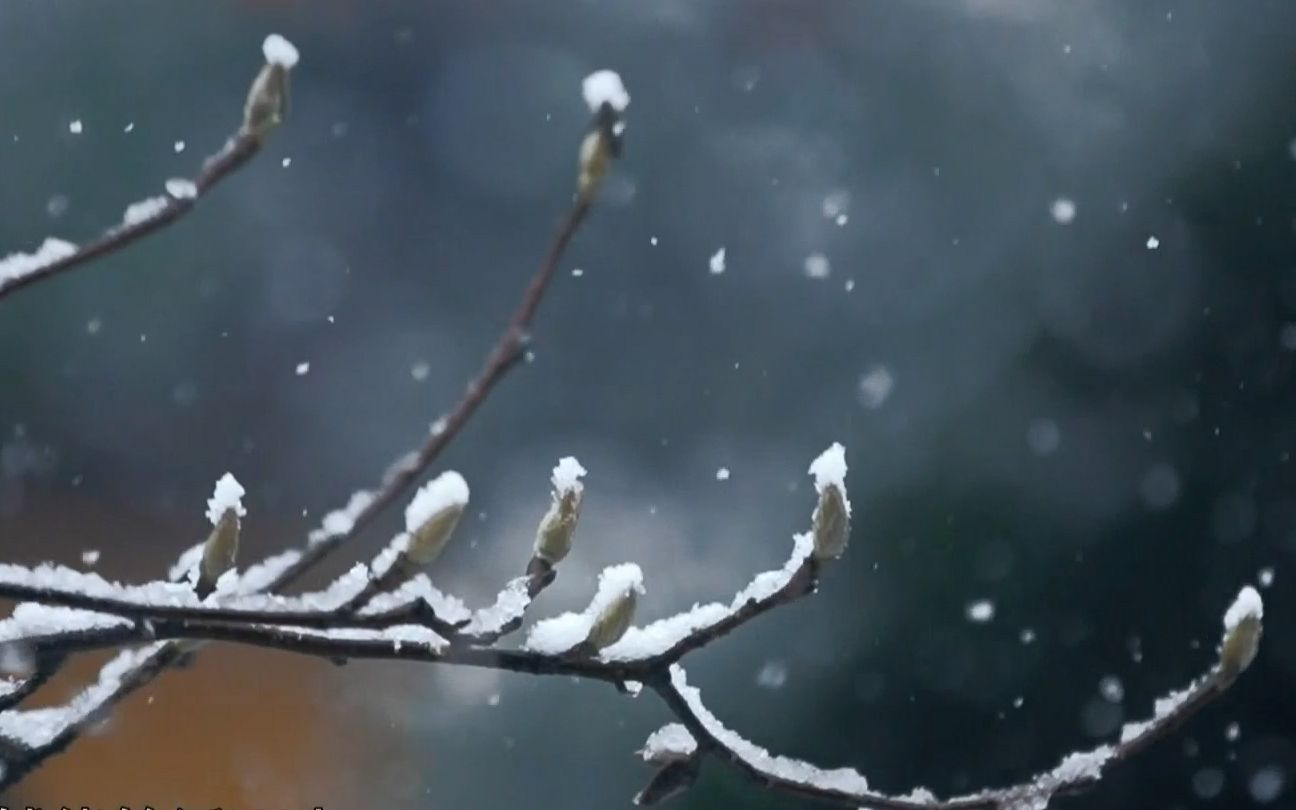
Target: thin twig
x,y
236,152
506,353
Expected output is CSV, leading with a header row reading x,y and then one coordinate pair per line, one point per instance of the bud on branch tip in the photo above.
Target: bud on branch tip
x,y
554,535
432,515
607,99
267,100
1242,629
831,519
224,509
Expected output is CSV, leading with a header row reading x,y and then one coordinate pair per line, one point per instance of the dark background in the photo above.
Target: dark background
x,y
1091,433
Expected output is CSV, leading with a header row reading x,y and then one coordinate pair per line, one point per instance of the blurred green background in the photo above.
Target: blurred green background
x,y
1056,334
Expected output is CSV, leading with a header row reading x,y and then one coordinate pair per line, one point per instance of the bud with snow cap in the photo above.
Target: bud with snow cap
x,y
554,536
613,622
224,509
1242,630
432,516
607,99
267,100
831,520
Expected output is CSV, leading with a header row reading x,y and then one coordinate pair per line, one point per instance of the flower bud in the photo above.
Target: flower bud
x,y
267,100
607,99
432,515
1242,631
224,508
830,524
613,622
554,535
219,552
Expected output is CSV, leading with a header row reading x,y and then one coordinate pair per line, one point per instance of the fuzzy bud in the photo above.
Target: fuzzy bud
x,y
830,523
607,99
554,535
433,515
267,101
219,552
613,622
1242,631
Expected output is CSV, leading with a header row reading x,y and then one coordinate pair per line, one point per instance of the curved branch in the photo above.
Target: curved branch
x,y
236,152
1078,772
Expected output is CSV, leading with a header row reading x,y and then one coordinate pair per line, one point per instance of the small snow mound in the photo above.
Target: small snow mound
x,y
1247,605
605,86
829,469
279,51
181,189
446,490
567,475
227,495
717,264
20,264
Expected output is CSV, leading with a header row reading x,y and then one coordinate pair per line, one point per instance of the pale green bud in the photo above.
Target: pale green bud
x,y
219,552
554,535
830,524
613,622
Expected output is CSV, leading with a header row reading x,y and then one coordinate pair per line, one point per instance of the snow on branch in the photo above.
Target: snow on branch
x,y
265,107
392,610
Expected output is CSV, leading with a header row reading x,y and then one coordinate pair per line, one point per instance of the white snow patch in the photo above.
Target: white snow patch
x,y
446,490
227,495
1248,604
279,51
829,470
1153,243
670,743
39,727
341,521
717,263
1063,211
722,474
51,250
567,476
303,368
605,86
145,210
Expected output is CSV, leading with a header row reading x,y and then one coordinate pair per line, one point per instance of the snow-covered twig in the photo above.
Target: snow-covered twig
x,y
704,735
265,106
154,213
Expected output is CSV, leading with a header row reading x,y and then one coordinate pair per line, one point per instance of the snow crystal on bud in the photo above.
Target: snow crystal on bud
x,y
279,51
1247,605
605,86
567,475
669,743
446,490
227,495
181,189
829,470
